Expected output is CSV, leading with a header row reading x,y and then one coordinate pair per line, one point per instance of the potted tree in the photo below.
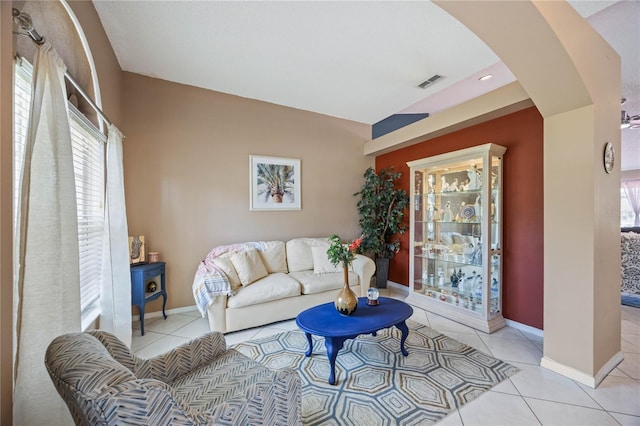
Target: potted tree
x,y
381,208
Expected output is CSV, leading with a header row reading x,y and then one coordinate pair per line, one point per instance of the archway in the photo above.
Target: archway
x,y
573,77
56,21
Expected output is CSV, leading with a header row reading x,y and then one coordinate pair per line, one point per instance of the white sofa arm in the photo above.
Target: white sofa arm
x,y
217,315
365,268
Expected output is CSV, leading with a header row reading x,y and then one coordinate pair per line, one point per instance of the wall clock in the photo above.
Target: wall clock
x,y
608,157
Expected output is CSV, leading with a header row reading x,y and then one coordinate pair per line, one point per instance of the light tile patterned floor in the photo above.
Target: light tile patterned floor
x,y
534,396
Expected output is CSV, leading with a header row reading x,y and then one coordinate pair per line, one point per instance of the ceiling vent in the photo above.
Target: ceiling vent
x,y
429,81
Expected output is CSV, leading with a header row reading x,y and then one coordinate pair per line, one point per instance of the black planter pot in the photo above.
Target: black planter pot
x,y
382,272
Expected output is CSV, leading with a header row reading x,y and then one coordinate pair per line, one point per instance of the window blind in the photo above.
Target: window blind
x,y
88,147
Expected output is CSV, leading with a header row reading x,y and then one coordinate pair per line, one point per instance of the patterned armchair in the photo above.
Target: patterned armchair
x,y
198,383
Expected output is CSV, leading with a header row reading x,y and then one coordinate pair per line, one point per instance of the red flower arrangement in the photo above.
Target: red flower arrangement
x,y
342,253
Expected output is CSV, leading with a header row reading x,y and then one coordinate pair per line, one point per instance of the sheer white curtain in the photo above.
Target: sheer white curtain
x,y
632,189
48,282
115,297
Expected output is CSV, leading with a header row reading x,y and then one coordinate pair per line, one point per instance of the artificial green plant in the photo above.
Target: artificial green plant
x,y
381,208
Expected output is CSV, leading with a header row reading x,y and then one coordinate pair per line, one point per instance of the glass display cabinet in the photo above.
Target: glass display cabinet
x,y
455,262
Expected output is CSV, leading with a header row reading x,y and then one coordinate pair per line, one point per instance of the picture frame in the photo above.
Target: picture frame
x,y
274,183
137,250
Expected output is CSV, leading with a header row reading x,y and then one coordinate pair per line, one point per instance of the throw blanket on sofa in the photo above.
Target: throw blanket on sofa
x,y
210,281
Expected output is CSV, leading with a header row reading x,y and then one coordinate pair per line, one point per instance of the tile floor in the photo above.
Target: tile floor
x,y
534,396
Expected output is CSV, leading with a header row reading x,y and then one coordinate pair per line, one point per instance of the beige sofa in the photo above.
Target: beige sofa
x,y
297,275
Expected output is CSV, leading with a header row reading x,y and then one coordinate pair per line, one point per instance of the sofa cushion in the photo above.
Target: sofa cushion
x,y
321,262
274,257
225,264
317,283
249,266
272,287
299,255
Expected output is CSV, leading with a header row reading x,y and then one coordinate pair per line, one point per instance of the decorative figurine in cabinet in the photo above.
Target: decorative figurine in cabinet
x,y
455,267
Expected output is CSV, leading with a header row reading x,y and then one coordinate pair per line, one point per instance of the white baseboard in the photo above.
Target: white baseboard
x,y
510,323
157,314
402,288
579,376
524,327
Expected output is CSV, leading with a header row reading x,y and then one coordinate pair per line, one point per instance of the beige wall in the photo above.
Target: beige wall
x,y
186,159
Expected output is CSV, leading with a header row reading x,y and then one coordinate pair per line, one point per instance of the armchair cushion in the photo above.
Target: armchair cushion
x,y
202,388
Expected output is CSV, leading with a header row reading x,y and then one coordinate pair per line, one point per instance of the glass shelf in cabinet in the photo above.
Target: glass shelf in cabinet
x,y
449,259
468,191
453,221
428,221
466,290
453,296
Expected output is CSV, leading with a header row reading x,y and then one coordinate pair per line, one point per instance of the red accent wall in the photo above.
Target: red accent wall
x,y
522,134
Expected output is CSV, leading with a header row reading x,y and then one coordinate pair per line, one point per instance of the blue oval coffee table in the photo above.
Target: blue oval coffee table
x,y
324,320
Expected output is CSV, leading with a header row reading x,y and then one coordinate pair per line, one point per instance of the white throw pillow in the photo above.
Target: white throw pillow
x,y
249,266
225,264
321,262
274,257
299,256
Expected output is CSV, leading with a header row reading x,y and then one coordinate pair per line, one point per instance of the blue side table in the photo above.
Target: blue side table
x,y
141,275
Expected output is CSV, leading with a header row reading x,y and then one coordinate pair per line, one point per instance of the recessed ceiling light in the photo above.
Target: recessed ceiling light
x,y
485,77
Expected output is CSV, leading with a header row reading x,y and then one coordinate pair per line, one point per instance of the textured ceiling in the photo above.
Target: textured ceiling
x,y
360,60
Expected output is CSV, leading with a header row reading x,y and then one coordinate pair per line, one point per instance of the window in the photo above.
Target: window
x,y
629,202
626,212
88,146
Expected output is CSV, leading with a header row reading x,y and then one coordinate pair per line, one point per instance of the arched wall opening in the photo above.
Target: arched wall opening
x,y
573,77
56,21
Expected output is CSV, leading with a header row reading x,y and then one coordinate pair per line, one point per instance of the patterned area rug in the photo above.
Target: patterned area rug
x,y
376,385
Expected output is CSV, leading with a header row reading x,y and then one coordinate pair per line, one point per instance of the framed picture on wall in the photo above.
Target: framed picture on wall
x,y
274,183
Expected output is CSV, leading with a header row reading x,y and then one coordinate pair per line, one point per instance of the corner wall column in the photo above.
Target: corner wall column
x,y
573,77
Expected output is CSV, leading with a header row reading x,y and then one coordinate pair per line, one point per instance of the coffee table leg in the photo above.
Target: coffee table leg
x,y
333,345
310,341
402,326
